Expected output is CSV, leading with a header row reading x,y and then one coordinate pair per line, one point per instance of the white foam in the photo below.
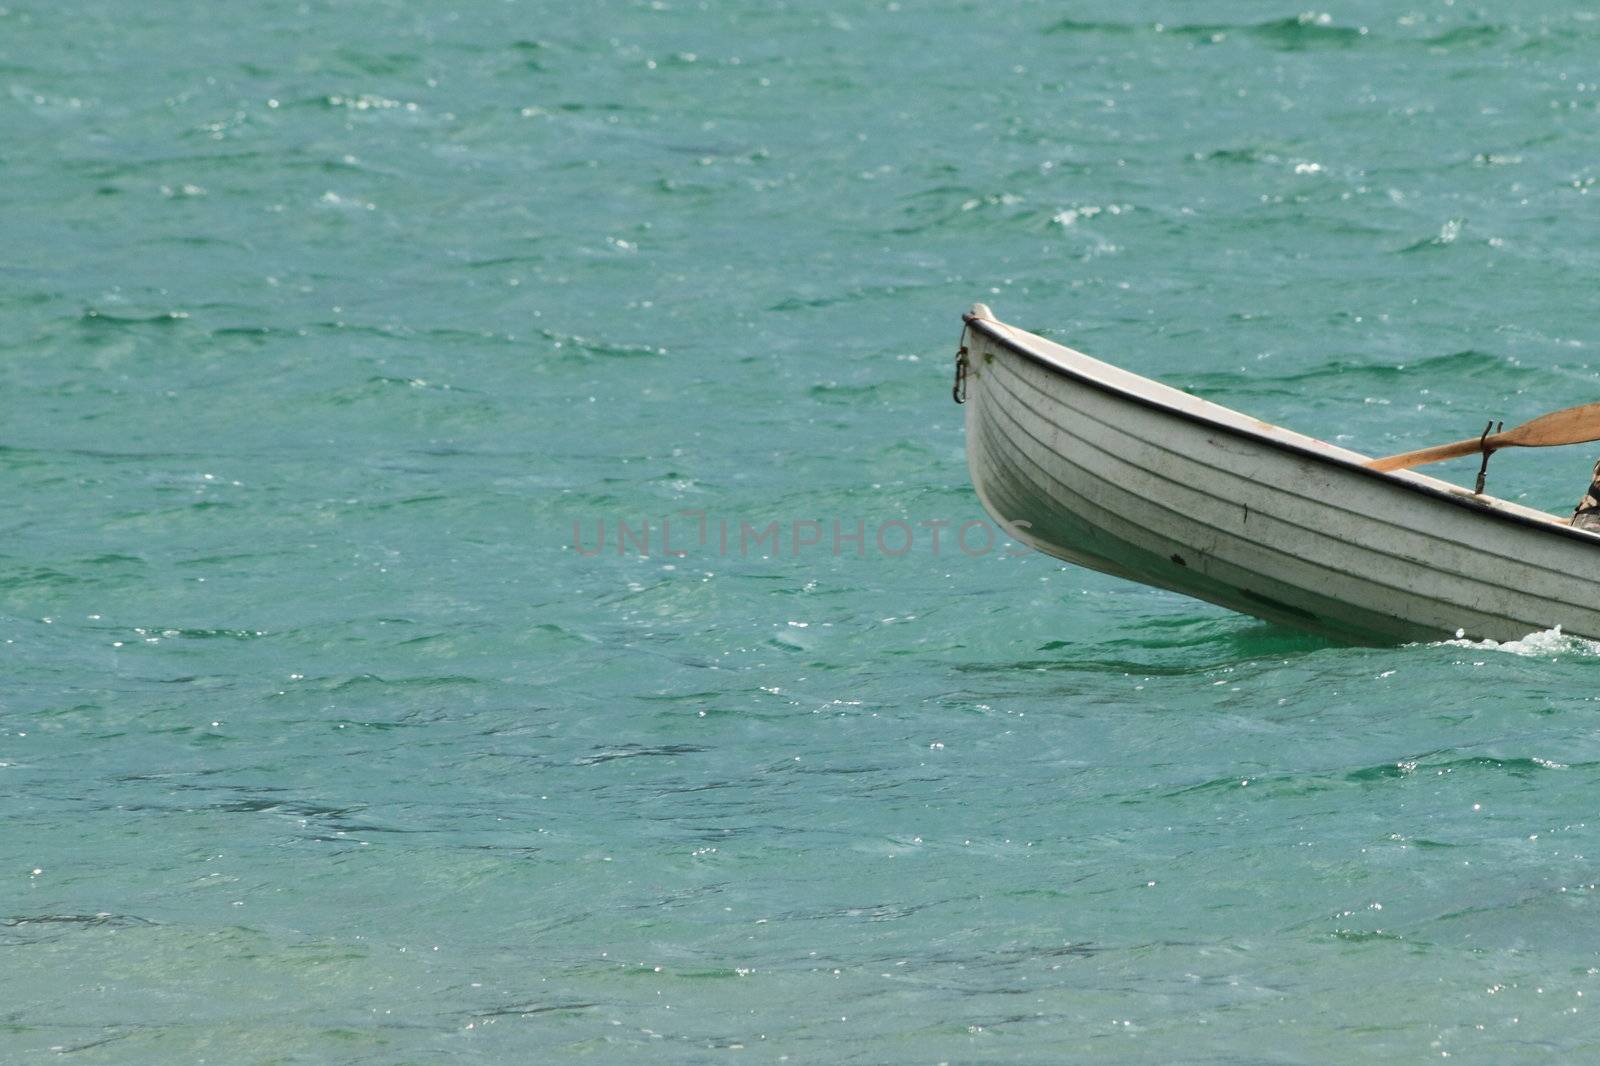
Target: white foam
x,y
1546,642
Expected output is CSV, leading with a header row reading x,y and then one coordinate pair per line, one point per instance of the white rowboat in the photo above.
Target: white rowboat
x,y
1118,473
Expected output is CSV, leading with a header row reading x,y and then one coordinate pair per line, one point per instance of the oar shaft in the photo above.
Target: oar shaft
x,y
1574,425
1437,454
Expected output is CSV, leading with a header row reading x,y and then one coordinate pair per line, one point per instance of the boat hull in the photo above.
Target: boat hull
x,y
1114,472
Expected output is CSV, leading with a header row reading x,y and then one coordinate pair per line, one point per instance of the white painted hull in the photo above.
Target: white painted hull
x,y
1121,474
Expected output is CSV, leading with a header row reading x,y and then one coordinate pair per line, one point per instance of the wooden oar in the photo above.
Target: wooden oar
x,y
1575,425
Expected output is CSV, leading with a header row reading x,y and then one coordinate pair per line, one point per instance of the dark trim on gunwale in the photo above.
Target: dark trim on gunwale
x,y
993,330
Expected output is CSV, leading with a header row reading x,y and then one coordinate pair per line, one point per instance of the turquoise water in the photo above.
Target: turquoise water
x,y
323,739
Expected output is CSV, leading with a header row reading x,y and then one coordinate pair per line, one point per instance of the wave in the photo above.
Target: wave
x,y
591,346
1467,364
1292,34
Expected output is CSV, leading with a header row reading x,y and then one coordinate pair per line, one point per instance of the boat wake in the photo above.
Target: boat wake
x,y
1546,642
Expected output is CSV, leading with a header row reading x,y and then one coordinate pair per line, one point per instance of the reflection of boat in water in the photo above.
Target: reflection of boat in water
x,y
1122,474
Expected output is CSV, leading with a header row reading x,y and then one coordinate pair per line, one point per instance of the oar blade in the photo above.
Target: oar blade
x,y
1575,425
